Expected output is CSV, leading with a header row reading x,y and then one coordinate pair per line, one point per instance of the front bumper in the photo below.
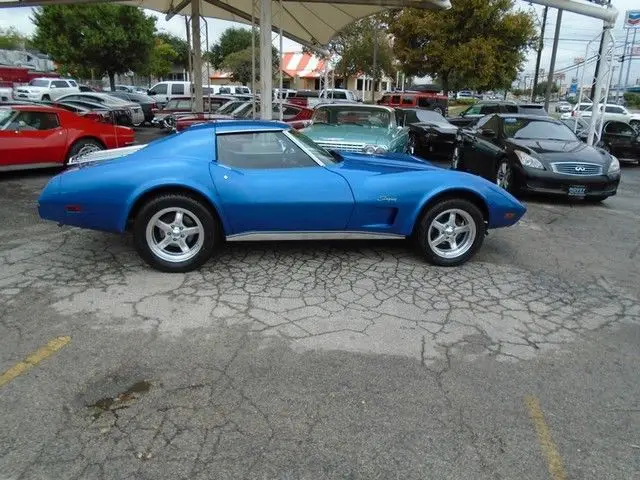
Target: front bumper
x,y
27,96
546,182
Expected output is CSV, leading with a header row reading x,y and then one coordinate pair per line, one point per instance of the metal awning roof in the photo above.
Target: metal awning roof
x,y
312,22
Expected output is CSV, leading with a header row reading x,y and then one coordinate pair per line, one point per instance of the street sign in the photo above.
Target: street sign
x,y
632,19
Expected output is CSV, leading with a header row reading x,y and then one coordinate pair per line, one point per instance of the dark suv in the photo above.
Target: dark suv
x,y
474,112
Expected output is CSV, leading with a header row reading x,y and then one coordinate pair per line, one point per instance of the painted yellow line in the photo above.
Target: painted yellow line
x,y
549,448
34,359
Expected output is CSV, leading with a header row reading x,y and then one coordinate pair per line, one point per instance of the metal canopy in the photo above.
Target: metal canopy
x,y
311,22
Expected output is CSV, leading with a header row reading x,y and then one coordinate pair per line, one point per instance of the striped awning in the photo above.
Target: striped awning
x,y
302,65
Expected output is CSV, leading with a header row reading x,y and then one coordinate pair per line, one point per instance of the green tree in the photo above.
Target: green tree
x,y
477,44
240,66
179,45
107,38
161,60
232,40
12,39
541,88
354,45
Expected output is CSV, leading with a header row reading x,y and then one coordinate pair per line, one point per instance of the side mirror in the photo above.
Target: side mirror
x,y
53,86
487,132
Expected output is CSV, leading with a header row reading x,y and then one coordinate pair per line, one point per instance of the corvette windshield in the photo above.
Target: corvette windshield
x,y
316,149
529,129
347,115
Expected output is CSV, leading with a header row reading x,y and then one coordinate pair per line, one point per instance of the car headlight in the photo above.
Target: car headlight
x,y
381,149
614,166
528,161
369,149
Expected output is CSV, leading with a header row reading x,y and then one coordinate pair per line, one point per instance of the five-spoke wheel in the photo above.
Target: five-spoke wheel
x,y
175,233
450,232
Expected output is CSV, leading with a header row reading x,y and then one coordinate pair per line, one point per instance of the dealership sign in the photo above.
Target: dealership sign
x,y
632,19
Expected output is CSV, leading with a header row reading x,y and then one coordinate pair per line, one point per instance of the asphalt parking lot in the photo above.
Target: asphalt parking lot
x,y
323,360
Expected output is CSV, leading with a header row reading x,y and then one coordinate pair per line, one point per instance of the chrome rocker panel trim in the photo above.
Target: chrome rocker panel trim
x,y
328,235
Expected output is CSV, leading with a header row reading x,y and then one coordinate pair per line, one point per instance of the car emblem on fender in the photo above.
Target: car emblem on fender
x,y
580,169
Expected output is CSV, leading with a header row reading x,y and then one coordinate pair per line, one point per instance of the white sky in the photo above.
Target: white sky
x,y
576,31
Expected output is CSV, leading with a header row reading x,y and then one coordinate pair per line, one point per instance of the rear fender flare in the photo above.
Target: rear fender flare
x,y
166,185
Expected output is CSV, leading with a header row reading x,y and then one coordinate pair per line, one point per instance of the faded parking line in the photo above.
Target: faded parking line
x,y
548,446
34,359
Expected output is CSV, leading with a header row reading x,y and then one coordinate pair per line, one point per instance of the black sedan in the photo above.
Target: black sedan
x,y
430,134
526,153
622,140
97,111
147,103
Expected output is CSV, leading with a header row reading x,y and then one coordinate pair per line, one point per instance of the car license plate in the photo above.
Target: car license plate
x,y
577,191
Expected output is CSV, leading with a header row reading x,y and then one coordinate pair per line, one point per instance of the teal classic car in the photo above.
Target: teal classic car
x,y
358,128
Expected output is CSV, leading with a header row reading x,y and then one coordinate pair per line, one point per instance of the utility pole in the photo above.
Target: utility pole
x,y
622,58
633,44
554,51
540,47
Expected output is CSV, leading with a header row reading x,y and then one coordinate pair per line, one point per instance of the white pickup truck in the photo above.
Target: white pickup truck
x,y
311,98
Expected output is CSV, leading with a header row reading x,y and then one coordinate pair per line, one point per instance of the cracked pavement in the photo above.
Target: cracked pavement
x,y
326,359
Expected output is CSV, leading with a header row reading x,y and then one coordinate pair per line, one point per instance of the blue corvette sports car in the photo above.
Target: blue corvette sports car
x,y
254,180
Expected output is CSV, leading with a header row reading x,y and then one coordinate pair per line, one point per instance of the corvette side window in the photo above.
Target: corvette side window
x,y
261,150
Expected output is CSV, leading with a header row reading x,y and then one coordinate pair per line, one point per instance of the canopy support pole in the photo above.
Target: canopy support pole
x,y
266,61
603,76
280,93
253,59
197,56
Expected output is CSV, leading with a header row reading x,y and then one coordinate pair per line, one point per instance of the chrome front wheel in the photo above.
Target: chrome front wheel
x,y
452,233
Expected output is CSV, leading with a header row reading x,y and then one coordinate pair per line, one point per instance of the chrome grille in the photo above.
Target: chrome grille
x,y
577,168
345,147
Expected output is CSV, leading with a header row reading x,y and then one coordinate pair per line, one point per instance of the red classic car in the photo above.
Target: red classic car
x,y
37,136
295,115
185,121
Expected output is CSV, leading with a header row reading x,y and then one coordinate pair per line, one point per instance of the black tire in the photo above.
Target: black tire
x,y
194,207
89,144
46,98
635,124
425,222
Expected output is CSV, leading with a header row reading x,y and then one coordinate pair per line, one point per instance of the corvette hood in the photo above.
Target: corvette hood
x,y
389,163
